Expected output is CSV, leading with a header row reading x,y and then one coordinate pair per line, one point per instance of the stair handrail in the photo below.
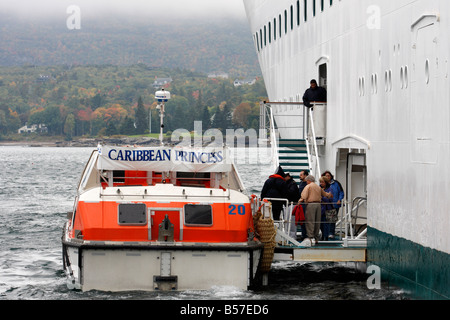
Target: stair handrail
x,y
273,140
313,132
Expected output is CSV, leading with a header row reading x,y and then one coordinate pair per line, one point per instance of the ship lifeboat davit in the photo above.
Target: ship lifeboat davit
x,y
160,219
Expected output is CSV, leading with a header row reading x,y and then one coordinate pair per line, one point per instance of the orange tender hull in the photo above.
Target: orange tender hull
x,y
99,222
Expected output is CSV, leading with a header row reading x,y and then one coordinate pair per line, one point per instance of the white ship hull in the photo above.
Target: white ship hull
x,y
386,68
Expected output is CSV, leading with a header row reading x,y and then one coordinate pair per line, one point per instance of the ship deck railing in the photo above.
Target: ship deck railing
x,y
348,247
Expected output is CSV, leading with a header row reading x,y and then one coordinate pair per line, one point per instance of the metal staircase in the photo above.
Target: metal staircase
x,y
293,155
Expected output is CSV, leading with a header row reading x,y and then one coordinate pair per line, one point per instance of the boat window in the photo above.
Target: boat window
x,y
197,215
118,176
193,179
132,214
191,175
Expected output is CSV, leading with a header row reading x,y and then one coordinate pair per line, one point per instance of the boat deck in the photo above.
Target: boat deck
x,y
326,251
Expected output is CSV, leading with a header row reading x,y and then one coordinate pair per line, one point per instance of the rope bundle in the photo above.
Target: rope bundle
x,y
266,231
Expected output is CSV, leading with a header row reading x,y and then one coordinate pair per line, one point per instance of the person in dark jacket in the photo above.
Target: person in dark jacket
x,y
338,196
276,188
326,205
314,94
293,192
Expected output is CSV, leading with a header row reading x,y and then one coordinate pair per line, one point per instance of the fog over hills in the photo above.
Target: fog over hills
x,y
198,35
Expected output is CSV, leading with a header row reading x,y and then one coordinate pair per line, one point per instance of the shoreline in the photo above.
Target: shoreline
x,y
82,143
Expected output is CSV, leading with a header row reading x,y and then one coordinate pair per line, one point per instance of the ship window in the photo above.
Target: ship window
x,y
331,3
198,215
314,8
270,32
388,80
298,12
321,5
261,38
265,36
279,20
362,86
275,29
374,83
406,77
285,21
402,83
305,7
133,214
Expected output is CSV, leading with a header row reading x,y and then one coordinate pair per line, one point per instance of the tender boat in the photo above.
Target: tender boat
x,y
161,218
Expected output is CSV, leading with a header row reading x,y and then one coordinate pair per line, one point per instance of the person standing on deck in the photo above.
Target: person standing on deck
x,y
302,185
276,188
312,196
326,205
314,94
338,196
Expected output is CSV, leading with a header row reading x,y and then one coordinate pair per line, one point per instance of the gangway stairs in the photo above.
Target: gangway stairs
x,y
293,155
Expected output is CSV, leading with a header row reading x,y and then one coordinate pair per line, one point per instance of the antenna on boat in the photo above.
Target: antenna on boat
x,y
161,96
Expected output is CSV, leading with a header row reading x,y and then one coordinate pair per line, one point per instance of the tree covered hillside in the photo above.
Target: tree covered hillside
x,y
109,99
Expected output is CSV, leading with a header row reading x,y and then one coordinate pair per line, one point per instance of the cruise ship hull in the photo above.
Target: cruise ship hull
x,y
385,67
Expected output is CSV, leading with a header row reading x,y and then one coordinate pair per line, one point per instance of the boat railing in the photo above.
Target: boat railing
x,y
133,181
348,220
284,224
145,195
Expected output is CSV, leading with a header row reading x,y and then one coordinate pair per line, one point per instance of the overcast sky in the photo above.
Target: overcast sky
x,y
150,8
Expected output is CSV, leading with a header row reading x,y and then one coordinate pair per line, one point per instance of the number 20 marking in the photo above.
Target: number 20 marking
x,y
240,210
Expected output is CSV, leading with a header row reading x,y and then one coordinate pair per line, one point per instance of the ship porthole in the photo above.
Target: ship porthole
x,y
390,80
402,78
386,84
427,71
406,77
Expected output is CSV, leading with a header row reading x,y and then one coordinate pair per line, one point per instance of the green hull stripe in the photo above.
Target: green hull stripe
x,y
422,271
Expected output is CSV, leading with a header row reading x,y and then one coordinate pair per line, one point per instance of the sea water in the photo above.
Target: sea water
x,y
37,189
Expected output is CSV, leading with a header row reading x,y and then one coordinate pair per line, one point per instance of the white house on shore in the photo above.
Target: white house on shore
x,y
41,128
239,82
